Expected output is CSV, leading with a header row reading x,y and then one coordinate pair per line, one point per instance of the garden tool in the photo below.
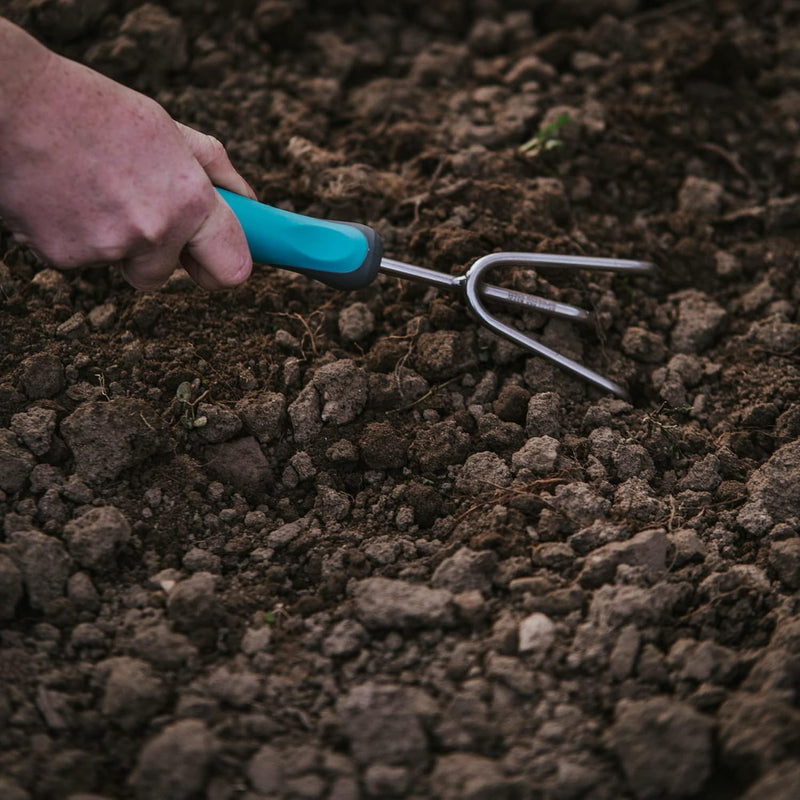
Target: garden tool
x,y
348,255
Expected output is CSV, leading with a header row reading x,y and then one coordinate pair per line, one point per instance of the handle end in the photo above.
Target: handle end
x,y
364,273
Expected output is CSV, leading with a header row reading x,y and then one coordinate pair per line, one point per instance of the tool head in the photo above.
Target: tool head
x,y
476,291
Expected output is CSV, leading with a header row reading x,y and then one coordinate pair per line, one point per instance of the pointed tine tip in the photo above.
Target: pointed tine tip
x,y
648,267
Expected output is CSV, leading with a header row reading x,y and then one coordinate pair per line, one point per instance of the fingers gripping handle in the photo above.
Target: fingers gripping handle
x,y
344,255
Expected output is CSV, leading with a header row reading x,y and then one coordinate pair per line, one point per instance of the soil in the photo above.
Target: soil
x,y
291,542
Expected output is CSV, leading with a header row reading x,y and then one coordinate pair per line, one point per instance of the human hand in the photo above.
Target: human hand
x,y
92,173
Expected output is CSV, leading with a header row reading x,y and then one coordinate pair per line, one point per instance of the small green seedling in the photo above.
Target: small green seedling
x,y
546,137
189,419
276,614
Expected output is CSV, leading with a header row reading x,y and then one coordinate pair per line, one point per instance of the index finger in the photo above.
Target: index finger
x,y
213,158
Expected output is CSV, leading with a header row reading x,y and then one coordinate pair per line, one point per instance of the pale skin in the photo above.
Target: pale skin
x,y
94,173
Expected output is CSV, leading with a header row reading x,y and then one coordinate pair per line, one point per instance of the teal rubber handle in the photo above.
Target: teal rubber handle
x,y
344,255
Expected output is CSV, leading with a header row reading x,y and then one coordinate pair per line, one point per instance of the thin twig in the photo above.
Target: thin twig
x,y
654,14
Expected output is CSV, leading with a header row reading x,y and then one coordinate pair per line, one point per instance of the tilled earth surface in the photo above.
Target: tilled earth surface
x,y
288,542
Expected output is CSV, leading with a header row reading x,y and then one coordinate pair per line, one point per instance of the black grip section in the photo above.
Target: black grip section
x,y
361,276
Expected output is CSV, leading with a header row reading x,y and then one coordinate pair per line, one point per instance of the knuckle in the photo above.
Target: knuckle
x,y
215,148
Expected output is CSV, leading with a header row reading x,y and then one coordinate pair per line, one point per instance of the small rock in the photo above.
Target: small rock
x,y
107,438
537,633
702,662
444,354
237,689
511,672
199,560
687,547
727,264
772,487
195,609
44,565
700,197
16,463
633,461
163,648
76,327
784,561
331,505
382,447
622,659
221,424
356,322
700,321
512,403
175,763
132,692
438,63
499,436
265,770
646,549
35,428
483,472
539,455
383,725
102,316
664,746
471,606
241,464
643,345
256,640
300,468
636,501
42,376
304,414
345,640
82,593
466,571
703,475
95,538
442,444
579,503
391,603
543,417
342,389
775,334
263,416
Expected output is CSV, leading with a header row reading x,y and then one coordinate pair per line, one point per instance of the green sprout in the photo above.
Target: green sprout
x,y
546,138
189,419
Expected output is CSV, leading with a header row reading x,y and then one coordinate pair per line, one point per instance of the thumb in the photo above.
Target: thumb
x,y
217,256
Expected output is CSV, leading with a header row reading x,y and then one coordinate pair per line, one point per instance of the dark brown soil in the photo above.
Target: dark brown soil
x,y
288,542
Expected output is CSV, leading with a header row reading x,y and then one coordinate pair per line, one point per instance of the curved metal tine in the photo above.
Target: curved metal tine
x,y
616,265
473,298
511,297
552,307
